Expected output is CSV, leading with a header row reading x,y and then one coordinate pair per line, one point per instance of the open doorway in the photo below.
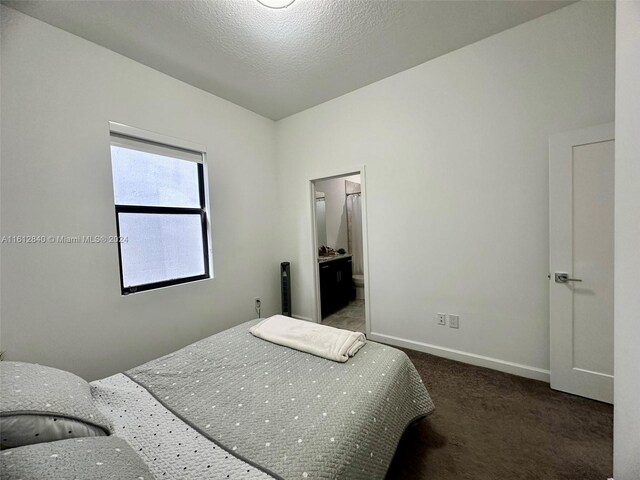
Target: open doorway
x,y
339,243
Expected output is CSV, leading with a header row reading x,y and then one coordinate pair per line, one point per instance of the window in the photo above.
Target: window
x,y
161,215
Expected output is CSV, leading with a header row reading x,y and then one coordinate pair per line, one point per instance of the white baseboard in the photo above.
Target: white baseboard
x,y
471,358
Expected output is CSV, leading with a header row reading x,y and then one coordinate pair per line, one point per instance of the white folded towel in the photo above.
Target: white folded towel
x,y
321,340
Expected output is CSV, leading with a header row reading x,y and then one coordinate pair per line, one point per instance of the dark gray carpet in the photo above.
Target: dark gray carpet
x,y
490,425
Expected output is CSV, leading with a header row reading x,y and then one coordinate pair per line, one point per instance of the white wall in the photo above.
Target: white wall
x,y
61,304
336,210
627,256
456,155
457,183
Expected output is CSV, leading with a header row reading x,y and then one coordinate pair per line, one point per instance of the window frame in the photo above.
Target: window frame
x,y
118,130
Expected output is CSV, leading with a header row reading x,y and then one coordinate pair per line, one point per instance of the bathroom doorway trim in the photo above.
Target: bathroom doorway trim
x,y
365,242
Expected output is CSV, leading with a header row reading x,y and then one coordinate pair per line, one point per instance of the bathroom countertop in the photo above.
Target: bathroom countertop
x,y
333,257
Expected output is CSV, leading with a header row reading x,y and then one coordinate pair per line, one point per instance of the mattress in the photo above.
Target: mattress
x,y
236,406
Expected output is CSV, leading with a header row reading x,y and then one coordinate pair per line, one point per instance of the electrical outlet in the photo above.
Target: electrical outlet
x,y
258,303
442,318
454,321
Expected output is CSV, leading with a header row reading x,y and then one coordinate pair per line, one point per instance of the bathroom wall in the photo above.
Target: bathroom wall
x,y
336,209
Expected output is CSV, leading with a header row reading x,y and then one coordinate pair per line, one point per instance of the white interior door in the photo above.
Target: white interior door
x,y
581,194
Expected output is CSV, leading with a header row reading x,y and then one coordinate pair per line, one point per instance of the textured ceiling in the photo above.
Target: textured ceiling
x,y
279,62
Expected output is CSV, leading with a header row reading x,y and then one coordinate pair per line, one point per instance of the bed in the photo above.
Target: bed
x,y
229,406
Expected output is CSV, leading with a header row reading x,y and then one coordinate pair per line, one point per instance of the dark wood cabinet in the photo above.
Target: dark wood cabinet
x,y
336,286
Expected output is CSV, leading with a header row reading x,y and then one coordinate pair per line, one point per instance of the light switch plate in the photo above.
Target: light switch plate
x,y
454,321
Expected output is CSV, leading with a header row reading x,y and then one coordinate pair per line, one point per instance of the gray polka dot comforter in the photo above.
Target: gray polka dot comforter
x,y
271,411
89,458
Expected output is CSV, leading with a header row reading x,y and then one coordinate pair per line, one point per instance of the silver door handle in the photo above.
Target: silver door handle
x,y
564,278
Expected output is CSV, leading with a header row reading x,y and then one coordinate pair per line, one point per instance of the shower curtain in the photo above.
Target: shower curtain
x,y
354,226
